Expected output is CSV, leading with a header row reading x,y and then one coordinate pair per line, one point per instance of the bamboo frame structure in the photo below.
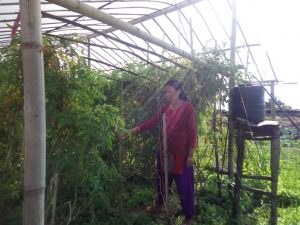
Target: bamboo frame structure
x,y
120,32
89,11
165,11
144,11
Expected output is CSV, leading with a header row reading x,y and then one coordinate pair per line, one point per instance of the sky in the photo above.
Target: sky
x,y
275,23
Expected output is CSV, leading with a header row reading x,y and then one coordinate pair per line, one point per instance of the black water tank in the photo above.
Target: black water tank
x,y
248,102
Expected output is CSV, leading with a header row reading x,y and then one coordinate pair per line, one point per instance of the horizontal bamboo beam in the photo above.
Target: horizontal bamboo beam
x,y
47,15
255,177
119,68
155,14
257,191
89,11
103,46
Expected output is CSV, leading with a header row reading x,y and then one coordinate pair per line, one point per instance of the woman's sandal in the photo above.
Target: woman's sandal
x,y
187,222
154,209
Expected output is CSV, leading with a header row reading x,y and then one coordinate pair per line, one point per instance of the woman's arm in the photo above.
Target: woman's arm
x,y
148,124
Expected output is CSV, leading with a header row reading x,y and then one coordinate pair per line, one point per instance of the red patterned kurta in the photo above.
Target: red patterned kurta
x,y
181,133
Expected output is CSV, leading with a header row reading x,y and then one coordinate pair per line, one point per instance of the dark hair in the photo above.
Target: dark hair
x,y
177,86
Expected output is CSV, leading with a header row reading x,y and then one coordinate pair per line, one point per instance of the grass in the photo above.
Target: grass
x,y
289,187
255,209
288,192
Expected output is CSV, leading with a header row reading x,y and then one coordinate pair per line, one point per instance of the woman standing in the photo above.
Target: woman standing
x,y
181,141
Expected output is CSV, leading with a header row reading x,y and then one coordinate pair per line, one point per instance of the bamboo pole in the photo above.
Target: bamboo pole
x,y
230,146
273,115
94,13
238,177
129,45
275,158
191,37
233,31
89,52
214,169
257,191
155,14
121,187
34,110
215,144
54,198
231,85
165,147
166,171
121,135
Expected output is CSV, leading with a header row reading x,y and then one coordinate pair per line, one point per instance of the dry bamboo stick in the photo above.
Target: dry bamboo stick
x,y
165,150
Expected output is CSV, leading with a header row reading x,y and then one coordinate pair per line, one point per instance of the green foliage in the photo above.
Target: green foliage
x,y
94,168
211,214
289,187
81,130
139,195
257,158
81,133
11,133
289,216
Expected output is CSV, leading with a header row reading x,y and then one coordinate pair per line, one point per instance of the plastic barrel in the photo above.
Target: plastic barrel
x,y
248,102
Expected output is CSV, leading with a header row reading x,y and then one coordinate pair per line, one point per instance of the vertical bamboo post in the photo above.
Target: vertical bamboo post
x,y
89,52
231,85
238,177
191,37
121,187
275,158
273,115
34,110
233,31
54,198
165,150
216,153
230,147
121,190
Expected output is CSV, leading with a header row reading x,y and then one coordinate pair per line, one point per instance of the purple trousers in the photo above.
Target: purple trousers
x,y
184,184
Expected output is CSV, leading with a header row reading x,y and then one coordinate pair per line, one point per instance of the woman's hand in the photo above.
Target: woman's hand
x,y
132,130
189,161
135,130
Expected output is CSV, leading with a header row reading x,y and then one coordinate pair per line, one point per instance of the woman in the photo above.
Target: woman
x,y
181,141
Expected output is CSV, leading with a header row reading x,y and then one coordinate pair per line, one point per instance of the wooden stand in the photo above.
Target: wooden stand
x,y
267,130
